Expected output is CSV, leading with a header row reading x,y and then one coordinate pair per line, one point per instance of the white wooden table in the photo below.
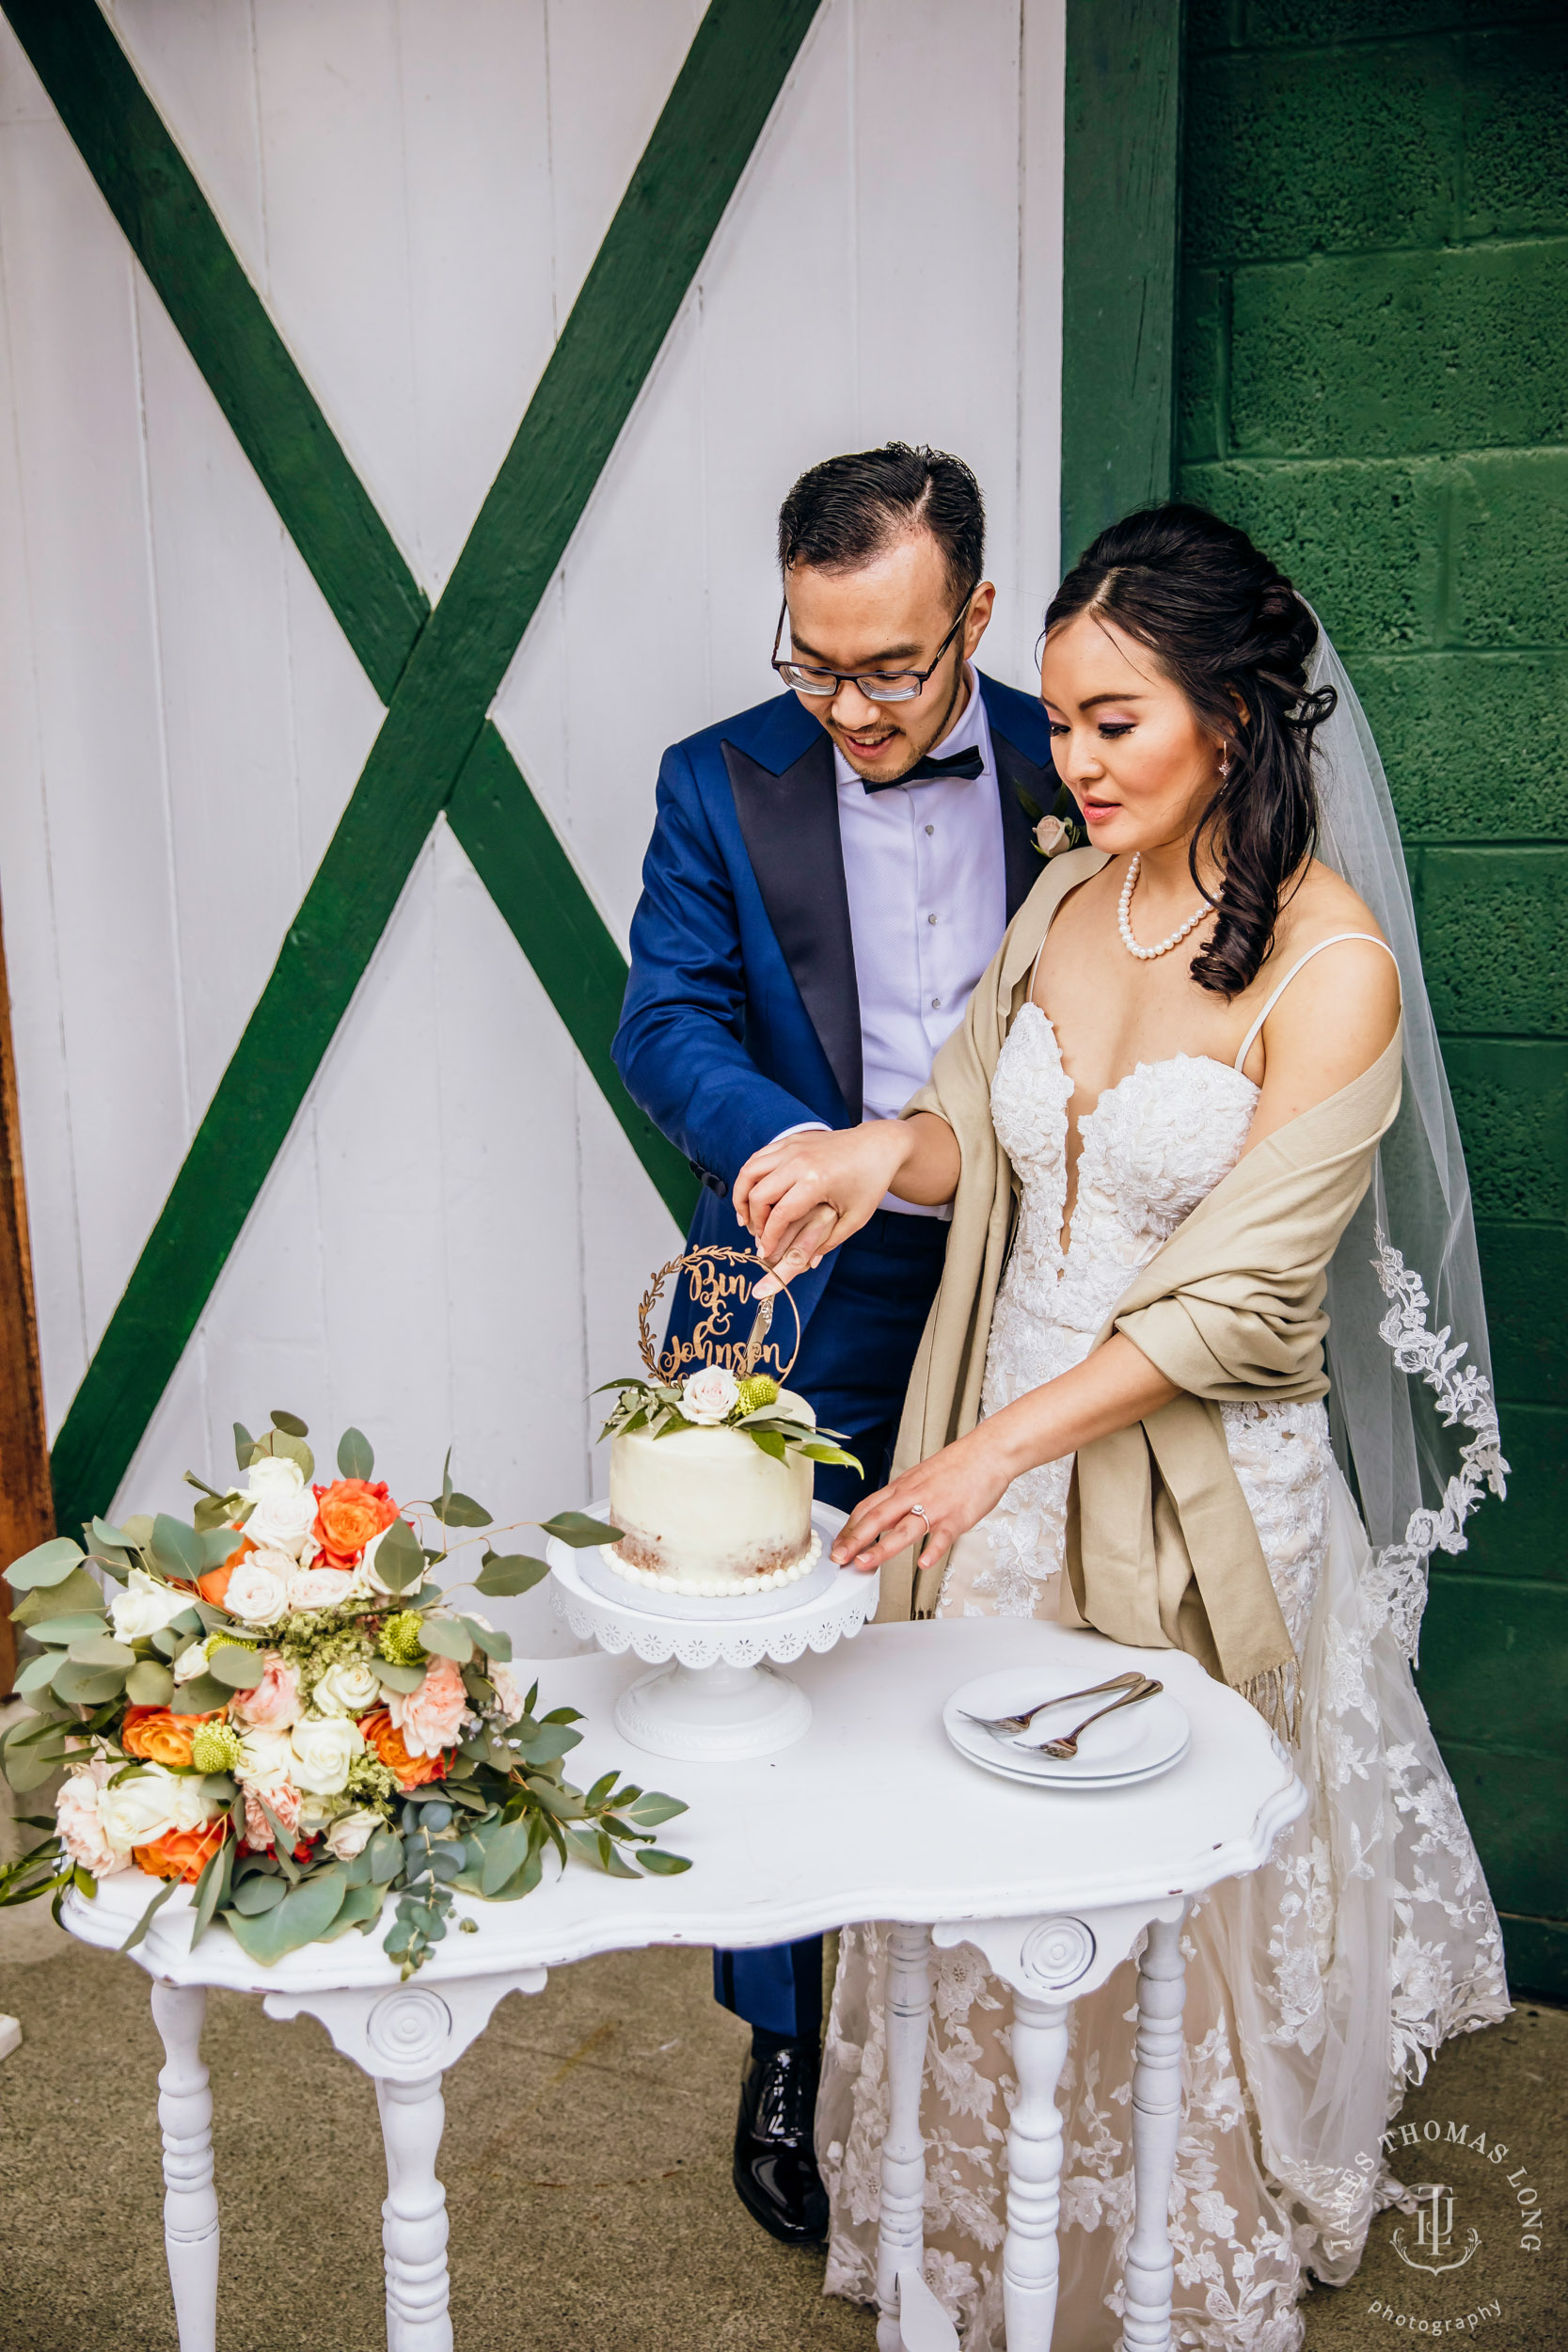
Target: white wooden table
x,y
871,1816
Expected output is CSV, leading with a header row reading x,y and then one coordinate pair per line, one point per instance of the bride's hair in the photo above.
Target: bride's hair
x,y
1226,627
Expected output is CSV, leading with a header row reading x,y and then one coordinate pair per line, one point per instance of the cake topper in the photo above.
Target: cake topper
x,y
723,1333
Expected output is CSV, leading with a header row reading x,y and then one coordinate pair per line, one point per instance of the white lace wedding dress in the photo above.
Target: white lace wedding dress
x,y
1316,1988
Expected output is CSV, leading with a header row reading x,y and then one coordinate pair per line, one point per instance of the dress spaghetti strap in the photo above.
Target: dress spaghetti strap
x,y
1251,1036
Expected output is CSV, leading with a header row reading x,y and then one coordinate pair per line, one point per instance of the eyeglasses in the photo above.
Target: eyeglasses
x,y
878,686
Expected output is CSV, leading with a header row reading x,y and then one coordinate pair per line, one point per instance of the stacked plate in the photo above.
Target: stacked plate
x,y
1135,1743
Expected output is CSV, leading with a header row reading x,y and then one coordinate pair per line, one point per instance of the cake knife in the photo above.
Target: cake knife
x,y
760,1322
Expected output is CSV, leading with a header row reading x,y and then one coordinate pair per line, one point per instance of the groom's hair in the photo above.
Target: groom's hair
x,y
848,511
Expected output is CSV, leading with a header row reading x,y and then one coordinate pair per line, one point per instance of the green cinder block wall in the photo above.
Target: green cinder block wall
x,y
1372,378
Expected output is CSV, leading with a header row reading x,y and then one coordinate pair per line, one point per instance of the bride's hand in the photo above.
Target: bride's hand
x,y
801,1197
947,1496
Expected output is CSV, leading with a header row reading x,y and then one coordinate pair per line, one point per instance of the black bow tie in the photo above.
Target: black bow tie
x,y
961,769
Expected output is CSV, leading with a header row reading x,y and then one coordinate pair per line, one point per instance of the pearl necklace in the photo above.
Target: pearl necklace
x,y
1147,955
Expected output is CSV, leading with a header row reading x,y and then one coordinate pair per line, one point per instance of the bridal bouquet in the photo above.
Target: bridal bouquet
x,y
275,1704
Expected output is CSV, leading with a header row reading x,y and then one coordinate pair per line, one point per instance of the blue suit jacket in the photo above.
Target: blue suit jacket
x,y
742,1014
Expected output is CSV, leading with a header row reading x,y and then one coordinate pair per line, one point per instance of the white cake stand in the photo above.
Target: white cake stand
x,y
714,1692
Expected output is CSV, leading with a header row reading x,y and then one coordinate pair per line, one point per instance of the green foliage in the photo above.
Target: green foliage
x,y
398,1557
578,1530
355,1459
504,1573
45,1565
77,1591
654,1406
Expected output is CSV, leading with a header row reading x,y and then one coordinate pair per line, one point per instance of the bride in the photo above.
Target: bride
x,y
1200,1155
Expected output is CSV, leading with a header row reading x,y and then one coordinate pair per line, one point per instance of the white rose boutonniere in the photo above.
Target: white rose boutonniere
x,y
285,1507
710,1396
350,1688
325,1747
1050,836
145,1607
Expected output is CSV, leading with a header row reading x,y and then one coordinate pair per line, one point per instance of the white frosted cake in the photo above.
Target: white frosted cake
x,y
705,1511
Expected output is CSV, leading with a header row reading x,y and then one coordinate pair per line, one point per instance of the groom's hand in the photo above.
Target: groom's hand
x,y
807,1193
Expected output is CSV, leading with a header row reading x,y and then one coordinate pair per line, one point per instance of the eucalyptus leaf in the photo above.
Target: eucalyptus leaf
x,y
355,1459
214,1511
578,1530
360,1907
397,1677
176,1547
278,1445
217,1545
386,1853
238,1669
80,1590
257,1893
159,1900
116,1537
485,1637
457,1510
210,1887
74,1628
399,1559
505,1573
444,1637
548,1743
36,1672
46,1564
220,1788
290,1424
244,1445
28,1768
651,1809
100,1648
663,1865
86,1686
202,1696
147,1684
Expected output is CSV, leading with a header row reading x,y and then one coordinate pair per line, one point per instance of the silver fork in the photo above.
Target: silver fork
x,y
1005,1724
1067,1745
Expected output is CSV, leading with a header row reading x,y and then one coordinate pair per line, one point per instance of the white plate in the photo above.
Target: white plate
x,y
1134,1743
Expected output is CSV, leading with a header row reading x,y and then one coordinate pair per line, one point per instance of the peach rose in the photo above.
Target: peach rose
x,y
160,1738
183,1854
382,1735
348,1514
272,1704
214,1584
282,1803
431,1717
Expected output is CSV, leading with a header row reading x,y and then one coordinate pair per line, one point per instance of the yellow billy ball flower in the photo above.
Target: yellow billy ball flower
x,y
399,1642
757,1391
215,1748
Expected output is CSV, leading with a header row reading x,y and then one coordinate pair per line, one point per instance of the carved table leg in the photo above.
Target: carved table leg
x,y
190,2202
900,2244
1029,2255
1156,2120
414,2218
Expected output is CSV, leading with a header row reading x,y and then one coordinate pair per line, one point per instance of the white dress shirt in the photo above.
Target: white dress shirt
x,y
927,883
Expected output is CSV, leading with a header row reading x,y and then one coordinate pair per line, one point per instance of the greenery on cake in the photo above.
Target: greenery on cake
x,y
713,1398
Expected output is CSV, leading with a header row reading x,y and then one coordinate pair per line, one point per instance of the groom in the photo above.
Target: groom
x,y
830,874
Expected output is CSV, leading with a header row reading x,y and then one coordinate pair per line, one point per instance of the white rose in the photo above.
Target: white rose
x,y
78,1821
1051,837
350,1688
325,1747
351,1832
191,1660
285,1511
710,1396
257,1591
315,1812
139,1809
321,1588
266,1760
145,1607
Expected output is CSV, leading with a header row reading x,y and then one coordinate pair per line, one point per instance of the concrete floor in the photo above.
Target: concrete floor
x,y
587,2172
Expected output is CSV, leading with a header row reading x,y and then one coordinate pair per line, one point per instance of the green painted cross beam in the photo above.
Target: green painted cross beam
x,y
437,671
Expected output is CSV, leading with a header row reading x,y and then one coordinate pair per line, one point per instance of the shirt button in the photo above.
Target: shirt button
x,y
930,918
930,828
936,1004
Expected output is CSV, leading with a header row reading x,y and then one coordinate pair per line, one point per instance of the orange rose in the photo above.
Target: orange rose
x,y
348,1514
160,1738
214,1586
382,1735
183,1854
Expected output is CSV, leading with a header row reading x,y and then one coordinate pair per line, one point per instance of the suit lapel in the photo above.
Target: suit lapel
x,y
1023,787
789,823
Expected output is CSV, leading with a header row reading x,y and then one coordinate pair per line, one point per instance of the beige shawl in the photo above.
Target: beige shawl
x,y
1162,1550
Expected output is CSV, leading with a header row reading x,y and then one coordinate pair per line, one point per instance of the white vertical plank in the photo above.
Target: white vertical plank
x,y
1040,408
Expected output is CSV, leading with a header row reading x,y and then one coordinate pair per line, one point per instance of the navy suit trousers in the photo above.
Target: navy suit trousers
x,y
853,1367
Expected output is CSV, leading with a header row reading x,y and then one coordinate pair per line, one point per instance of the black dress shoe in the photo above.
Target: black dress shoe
x,y
775,2169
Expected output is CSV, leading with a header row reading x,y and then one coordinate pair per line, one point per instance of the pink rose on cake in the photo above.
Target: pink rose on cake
x,y
710,1396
